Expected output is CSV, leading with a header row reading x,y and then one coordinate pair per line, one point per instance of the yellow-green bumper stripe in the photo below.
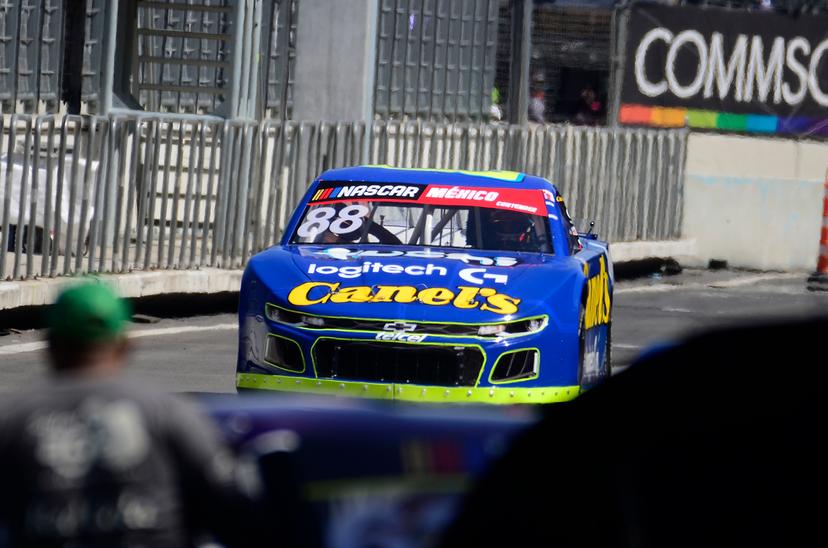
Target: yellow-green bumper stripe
x,y
408,392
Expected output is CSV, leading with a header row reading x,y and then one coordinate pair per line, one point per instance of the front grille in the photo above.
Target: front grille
x,y
397,363
513,366
457,330
284,353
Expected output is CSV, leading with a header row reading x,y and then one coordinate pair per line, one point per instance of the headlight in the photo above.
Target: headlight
x,y
280,315
491,329
520,327
313,320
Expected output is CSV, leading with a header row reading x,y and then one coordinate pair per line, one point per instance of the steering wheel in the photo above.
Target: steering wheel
x,y
382,234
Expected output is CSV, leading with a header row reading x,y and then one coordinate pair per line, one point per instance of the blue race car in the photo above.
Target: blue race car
x,y
428,285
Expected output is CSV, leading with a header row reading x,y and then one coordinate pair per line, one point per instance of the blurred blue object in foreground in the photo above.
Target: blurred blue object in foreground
x,y
351,473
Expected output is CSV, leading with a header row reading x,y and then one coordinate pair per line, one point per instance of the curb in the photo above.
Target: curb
x,y
134,285
208,281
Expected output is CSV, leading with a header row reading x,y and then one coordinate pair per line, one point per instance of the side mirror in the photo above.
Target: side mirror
x,y
589,234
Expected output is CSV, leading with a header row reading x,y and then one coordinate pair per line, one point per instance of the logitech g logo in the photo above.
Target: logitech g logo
x,y
468,274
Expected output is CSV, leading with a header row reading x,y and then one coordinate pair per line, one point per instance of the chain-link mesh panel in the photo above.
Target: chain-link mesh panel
x,y
91,74
280,51
183,55
503,63
570,64
31,49
435,59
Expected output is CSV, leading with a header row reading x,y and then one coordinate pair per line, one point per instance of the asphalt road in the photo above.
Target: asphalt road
x,y
197,354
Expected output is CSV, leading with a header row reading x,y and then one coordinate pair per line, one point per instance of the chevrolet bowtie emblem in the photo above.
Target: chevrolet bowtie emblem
x,y
399,326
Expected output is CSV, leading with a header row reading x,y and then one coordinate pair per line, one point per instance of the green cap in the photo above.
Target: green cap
x,y
88,312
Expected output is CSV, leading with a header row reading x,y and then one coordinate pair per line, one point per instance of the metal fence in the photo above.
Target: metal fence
x,y
117,194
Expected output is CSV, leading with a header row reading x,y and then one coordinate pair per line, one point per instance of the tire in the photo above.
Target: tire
x,y
582,349
581,345
608,350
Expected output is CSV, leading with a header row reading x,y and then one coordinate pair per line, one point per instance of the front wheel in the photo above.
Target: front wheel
x,y
588,368
608,352
581,346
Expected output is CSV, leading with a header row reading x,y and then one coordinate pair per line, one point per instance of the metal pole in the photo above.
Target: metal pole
x,y
109,50
232,108
618,46
521,55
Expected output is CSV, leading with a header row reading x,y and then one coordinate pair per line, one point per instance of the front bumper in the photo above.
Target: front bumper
x,y
407,392
555,379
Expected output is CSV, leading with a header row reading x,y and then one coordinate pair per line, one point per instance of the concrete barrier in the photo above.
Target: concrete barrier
x,y
754,202
134,285
44,291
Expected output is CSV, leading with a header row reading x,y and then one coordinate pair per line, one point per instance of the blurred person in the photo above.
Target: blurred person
x,y
589,107
90,459
496,110
537,106
537,99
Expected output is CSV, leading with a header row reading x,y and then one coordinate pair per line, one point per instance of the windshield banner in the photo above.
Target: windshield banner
x,y
524,200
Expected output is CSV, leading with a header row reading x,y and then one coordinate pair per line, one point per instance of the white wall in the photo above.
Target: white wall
x,y
755,202
335,56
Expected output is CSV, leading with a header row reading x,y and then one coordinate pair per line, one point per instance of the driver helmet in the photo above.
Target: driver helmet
x,y
508,230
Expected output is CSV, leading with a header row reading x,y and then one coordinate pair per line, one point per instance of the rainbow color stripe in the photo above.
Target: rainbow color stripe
x,y
666,117
326,194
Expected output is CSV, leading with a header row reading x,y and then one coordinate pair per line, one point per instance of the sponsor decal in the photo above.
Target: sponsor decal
x,y
343,191
350,272
347,254
526,200
461,194
346,220
598,304
723,69
400,336
462,297
471,275
400,331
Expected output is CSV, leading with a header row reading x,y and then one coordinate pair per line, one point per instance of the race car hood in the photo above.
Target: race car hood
x,y
424,284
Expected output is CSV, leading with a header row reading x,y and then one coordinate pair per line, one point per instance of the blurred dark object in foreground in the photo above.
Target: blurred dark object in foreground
x,y
718,441
346,472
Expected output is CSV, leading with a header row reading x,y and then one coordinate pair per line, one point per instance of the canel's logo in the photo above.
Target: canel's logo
x,y
463,297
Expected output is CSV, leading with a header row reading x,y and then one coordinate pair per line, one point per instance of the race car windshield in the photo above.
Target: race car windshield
x,y
417,224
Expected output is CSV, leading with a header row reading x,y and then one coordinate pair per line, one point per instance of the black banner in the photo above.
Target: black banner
x,y
741,62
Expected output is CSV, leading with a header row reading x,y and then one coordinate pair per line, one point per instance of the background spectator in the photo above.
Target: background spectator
x,y
93,460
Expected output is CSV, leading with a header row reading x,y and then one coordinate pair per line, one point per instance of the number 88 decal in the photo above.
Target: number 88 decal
x,y
319,220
